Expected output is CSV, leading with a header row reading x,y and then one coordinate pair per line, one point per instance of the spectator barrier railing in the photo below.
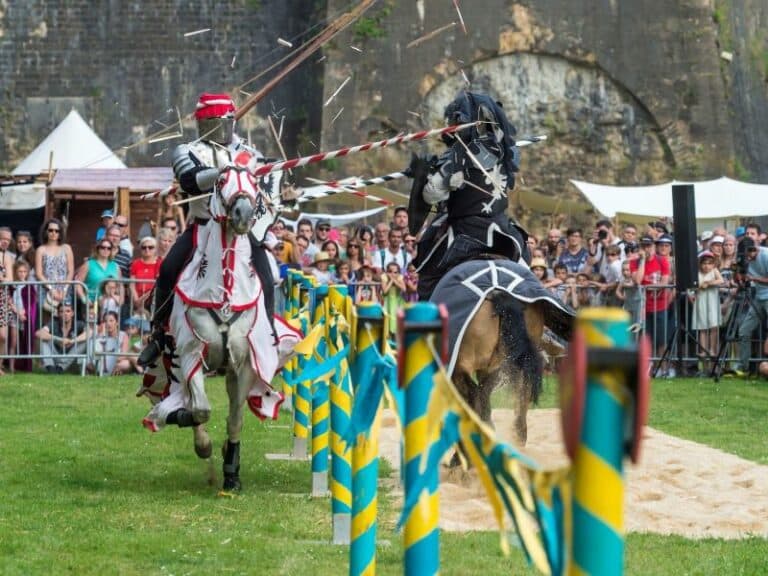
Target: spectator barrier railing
x,y
133,324
34,333
701,345
20,344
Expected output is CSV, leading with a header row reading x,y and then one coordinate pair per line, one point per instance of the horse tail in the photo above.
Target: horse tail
x,y
519,348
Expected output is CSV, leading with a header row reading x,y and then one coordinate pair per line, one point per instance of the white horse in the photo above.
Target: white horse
x,y
219,318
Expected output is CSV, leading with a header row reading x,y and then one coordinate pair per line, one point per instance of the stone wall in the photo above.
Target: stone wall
x,y
127,67
628,92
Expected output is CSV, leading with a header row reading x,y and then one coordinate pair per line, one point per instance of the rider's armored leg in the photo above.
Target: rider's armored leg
x,y
260,262
169,271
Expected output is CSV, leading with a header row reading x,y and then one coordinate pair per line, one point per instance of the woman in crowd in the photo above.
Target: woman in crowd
x,y
112,346
355,255
25,250
96,270
166,209
165,239
145,267
365,236
333,251
54,262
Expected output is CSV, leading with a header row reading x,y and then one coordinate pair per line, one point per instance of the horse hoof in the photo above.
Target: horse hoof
x,y
232,484
203,445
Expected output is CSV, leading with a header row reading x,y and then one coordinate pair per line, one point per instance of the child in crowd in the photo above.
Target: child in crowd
x,y
367,289
344,273
706,308
321,269
110,300
393,293
411,283
628,293
560,288
539,269
24,308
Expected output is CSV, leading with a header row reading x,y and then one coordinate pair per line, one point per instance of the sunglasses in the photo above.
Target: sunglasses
x,y
105,247
147,247
49,230
122,225
324,228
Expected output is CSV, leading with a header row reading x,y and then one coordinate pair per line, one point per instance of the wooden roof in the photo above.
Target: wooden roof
x,y
106,181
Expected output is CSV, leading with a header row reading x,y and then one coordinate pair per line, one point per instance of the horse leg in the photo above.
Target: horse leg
x,y
198,399
237,390
529,364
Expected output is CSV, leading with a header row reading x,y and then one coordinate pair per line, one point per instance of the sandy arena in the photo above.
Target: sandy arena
x,y
680,487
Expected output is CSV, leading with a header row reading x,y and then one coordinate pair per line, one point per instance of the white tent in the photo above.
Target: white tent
x,y
721,198
74,145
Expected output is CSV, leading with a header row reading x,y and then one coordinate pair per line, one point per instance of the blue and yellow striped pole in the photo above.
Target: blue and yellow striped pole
x,y
341,410
421,536
598,483
365,453
302,398
321,417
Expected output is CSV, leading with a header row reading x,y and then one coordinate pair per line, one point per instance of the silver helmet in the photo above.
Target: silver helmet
x,y
219,130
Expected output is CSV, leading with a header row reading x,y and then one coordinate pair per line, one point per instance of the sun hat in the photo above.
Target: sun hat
x,y
706,235
706,254
664,239
538,263
322,257
107,214
716,240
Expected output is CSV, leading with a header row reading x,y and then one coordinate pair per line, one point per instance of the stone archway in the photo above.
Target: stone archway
x,y
597,130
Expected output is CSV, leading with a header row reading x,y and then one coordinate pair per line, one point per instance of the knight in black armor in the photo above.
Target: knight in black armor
x,y
196,166
468,184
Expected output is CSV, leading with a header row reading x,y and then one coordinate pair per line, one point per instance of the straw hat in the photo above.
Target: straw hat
x,y
538,263
322,257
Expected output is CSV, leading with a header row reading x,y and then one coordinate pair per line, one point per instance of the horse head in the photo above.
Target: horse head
x,y
237,199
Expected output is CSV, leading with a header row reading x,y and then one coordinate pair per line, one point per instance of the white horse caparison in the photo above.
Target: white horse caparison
x,y
219,317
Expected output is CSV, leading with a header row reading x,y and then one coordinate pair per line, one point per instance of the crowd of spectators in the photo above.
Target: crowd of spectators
x,y
634,269
630,268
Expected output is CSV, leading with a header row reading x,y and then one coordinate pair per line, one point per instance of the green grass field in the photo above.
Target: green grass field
x,y
86,490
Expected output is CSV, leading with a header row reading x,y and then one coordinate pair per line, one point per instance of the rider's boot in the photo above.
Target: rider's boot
x,y
154,347
260,262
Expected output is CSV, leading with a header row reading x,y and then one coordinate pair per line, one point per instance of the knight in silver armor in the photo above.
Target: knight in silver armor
x,y
468,184
196,166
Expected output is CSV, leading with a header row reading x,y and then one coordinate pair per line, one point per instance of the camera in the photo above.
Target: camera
x,y
602,234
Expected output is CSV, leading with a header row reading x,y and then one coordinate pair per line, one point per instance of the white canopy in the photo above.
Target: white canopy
x,y
74,145
721,198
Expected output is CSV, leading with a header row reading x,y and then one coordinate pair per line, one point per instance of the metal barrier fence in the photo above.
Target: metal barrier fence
x,y
43,321
709,329
30,327
119,320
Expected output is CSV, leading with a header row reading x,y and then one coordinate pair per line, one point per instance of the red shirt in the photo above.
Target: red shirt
x,y
141,270
656,300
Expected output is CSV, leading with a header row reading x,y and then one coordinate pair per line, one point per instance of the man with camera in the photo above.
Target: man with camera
x,y
752,271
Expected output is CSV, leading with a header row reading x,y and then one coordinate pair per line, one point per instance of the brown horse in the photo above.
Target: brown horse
x,y
501,344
